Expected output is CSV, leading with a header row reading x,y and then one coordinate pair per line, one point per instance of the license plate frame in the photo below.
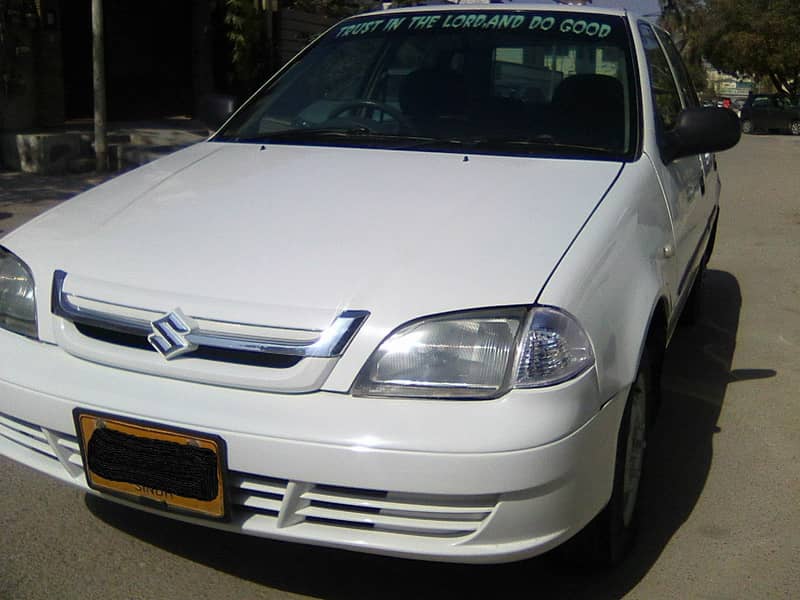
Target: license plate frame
x,y
132,439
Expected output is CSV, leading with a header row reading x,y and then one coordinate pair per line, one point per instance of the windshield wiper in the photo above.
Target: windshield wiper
x,y
363,133
399,141
301,134
540,141
426,141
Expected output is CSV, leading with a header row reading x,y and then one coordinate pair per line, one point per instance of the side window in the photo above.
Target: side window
x,y
761,102
679,67
665,92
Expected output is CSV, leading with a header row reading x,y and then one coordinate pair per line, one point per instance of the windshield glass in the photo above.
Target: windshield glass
x,y
521,82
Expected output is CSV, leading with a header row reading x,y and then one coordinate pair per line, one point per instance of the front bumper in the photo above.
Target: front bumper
x,y
371,493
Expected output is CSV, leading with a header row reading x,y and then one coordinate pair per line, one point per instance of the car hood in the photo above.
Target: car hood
x,y
292,235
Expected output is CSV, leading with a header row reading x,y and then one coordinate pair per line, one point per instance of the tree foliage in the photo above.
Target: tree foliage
x,y
245,32
332,8
760,38
683,19
756,38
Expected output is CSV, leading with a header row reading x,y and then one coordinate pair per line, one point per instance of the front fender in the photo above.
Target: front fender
x,y
615,273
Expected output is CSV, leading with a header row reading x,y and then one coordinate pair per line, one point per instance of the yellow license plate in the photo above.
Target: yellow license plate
x,y
169,468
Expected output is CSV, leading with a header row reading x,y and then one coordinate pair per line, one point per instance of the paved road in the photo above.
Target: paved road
x,y
722,499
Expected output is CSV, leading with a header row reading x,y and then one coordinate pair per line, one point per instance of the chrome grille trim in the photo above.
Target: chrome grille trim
x,y
330,343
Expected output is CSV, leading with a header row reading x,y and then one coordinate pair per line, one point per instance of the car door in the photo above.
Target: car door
x,y
760,112
774,114
689,98
685,180
784,113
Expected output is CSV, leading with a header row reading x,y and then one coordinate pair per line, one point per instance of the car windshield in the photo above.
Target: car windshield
x,y
512,82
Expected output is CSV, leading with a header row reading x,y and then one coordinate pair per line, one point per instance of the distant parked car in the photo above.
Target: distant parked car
x,y
770,112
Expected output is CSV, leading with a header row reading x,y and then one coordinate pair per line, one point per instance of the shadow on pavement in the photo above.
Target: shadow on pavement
x,y
17,187
25,195
697,372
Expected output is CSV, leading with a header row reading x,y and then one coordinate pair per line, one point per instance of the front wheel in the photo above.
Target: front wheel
x,y
747,126
795,128
607,539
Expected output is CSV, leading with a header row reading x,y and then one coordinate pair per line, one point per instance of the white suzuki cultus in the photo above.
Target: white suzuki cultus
x,y
411,299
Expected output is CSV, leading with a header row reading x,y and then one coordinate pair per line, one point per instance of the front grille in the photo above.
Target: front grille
x,y
417,514
253,495
139,341
292,503
95,321
26,434
54,445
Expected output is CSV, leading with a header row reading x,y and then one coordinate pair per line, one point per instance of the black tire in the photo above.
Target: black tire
x,y
794,128
747,126
608,538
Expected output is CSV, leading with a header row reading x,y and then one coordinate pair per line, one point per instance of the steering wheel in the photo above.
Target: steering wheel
x,y
380,106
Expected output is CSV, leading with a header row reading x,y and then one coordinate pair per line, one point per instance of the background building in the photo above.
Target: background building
x,y
159,59
722,85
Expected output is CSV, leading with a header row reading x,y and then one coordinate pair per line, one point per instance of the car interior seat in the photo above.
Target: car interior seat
x,y
429,94
590,110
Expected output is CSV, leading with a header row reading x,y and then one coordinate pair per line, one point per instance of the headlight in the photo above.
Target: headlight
x,y
477,355
17,301
465,355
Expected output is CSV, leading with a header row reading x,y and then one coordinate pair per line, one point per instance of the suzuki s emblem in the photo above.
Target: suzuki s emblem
x,y
170,333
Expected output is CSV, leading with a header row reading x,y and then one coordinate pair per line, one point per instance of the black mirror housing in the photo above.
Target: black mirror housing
x,y
700,130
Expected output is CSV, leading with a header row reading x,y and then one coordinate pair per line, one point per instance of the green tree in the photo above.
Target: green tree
x,y
332,8
683,19
760,38
246,23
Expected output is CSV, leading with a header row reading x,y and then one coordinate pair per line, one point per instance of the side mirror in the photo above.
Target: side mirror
x,y
215,109
700,130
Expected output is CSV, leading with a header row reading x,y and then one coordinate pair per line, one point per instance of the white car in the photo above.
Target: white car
x,y
411,299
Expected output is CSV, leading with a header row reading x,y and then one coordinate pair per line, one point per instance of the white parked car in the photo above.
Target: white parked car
x,y
411,299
